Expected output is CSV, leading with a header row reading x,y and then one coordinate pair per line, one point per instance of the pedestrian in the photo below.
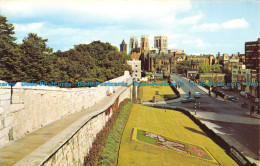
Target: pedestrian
x,y
225,97
252,109
189,94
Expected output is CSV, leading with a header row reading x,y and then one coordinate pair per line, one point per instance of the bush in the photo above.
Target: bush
x,y
105,147
116,134
106,162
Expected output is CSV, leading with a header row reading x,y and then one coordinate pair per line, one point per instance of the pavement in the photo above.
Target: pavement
x,y
34,148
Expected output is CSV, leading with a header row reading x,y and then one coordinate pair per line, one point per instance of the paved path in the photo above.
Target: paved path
x,y
37,146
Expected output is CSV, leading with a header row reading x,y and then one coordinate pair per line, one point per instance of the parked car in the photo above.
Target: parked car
x,y
197,95
247,95
242,93
232,98
256,100
226,88
187,99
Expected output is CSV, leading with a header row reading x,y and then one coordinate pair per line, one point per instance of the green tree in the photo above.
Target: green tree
x,y
217,68
36,61
33,61
183,66
10,53
205,68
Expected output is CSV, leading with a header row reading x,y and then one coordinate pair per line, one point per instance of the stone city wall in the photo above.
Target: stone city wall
x,y
77,147
36,106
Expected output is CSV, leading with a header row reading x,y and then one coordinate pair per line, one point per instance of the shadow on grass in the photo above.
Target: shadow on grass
x,y
195,131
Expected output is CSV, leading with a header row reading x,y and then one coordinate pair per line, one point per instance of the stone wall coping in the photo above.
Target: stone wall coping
x,y
45,151
18,85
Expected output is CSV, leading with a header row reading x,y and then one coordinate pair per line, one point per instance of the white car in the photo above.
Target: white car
x,y
243,93
197,95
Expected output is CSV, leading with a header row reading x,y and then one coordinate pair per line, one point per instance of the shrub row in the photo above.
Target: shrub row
x,y
110,151
94,155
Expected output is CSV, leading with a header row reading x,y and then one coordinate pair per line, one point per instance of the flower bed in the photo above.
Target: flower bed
x,y
172,144
105,148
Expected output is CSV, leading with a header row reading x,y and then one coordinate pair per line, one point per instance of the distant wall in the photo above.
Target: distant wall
x,y
37,106
212,77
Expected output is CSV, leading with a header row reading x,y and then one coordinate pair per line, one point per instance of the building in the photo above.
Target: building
x,y
223,59
153,50
161,42
157,62
144,46
136,67
123,46
242,58
252,61
232,62
202,59
133,45
179,51
241,75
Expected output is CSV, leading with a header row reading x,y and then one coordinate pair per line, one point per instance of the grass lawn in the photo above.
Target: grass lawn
x,y
172,124
164,92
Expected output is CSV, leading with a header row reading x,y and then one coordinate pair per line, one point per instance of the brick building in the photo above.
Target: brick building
x,y
252,61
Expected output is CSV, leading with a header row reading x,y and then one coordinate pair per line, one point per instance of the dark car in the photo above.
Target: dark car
x,y
232,98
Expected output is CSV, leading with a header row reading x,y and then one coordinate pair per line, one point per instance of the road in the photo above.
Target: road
x,y
228,119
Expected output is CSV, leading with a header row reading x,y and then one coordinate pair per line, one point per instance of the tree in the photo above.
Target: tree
x,y
36,61
205,68
10,53
33,61
183,66
217,68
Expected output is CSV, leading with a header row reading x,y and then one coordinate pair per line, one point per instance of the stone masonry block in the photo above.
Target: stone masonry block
x,y
9,121
5,97
4,132
1,122
15,99
1,110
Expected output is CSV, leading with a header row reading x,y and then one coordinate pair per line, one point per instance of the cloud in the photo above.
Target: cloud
x,y
98,11
190,20
31,27
235,24
213,27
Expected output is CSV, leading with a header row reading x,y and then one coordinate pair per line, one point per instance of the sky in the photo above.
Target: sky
x,y
197,26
